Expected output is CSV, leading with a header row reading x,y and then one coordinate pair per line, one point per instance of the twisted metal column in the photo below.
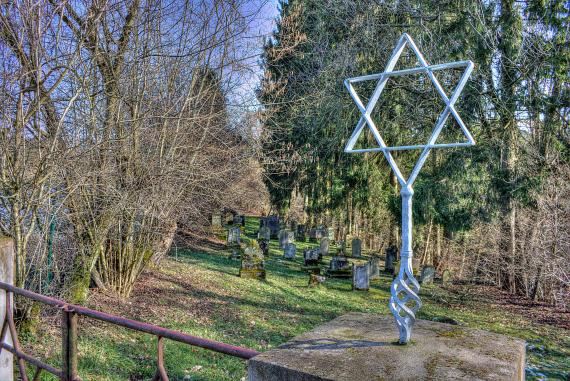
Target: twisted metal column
x,y
405,302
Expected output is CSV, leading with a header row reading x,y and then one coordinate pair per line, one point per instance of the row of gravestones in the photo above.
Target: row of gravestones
x,y
270,227
339,266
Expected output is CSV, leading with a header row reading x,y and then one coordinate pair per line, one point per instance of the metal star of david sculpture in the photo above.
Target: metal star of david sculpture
x,y
404,300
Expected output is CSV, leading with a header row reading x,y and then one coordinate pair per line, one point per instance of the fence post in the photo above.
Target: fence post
x,y
69,345
6,276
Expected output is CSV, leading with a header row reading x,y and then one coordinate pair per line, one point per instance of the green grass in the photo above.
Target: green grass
x,y
201,294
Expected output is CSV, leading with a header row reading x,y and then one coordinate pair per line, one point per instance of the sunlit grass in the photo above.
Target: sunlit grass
x,y
205,297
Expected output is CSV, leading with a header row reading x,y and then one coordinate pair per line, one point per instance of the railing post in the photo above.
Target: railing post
x,y
69,345
6,276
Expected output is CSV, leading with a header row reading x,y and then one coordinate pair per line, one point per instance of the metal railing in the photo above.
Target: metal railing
x,y
70,312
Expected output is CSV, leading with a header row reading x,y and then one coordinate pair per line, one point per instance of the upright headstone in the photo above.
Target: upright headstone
x,y
300,233
330,233
216,220
428,273
356,248
234,235
239,220
341,251
237,252
325,246
252,264
339,267
6,276
285,237
360,277
373,267
289,251
311,257
264,246
264,233
391,253
274,227
416,266
446,277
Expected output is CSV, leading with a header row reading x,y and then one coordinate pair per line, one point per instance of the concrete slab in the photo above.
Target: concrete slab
x,y
362,347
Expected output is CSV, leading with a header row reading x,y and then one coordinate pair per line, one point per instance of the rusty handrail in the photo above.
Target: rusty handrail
x,y
160,332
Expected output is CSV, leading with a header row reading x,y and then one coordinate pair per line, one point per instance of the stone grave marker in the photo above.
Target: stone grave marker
x,y
311,257
274,226
285,236
239,220
264,246
330,233
339,267
301,232
315,280
391,254
356,248
252,264
428,274
341,250
216,220
264,233
237,252
446,277
234,235
374,268
325,246
361,277
289,251
416,266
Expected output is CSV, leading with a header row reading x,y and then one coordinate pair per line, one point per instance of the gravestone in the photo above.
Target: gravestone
x,y
285,237
341,248
264,233
311,257
356,248
264,246
339,267
391,254
325,246
361,277
315,280
330,233
416,266
237,252
274,227
300,233
396,268
252,264
374,268
289,251
428,273
216,220
239,220
317,233
446,277
234,235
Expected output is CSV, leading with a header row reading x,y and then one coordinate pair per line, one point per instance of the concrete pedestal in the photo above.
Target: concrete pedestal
x,y
361,347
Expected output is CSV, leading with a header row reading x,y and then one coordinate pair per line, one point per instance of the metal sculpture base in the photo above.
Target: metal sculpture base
x,y
405,302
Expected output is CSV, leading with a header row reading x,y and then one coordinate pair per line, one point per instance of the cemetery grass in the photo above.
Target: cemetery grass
x,y
199,292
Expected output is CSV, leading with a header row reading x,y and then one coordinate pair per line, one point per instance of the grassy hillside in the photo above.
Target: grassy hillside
x,y
201,294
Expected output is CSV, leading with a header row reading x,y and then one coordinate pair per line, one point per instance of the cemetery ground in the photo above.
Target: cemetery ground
x,y
199,292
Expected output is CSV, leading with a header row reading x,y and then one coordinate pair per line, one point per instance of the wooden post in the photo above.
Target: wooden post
x,y
6,276
69,345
